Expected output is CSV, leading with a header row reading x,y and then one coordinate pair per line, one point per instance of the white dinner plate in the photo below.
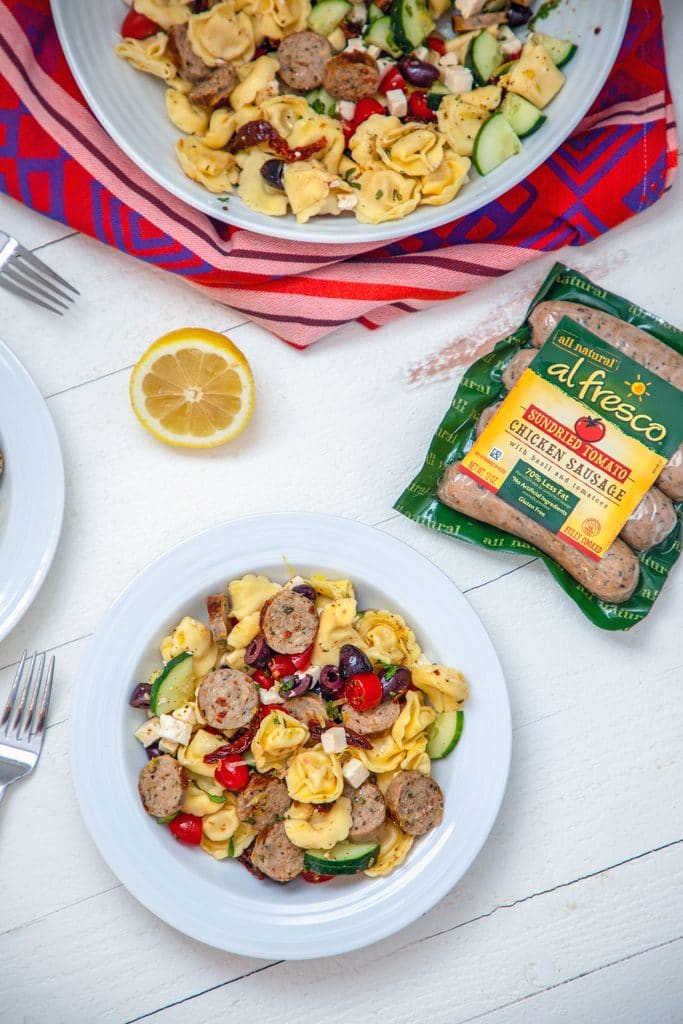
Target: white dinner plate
x,y
131,107
31,491
218,902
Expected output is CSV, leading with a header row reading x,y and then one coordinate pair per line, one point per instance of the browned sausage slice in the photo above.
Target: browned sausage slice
x,y
415,802
289,622
303,58
275,856
228,699
650,522
263,801
215,90
217,611
352,76
309,708
180,51
162,785
368,813
367,723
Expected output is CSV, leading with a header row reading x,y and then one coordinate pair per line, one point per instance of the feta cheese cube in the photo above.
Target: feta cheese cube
x,y
333,740
397,102
373,50
347,200
447,60
355,772
186,713
295,581
468,8
149,732
168,746
422,53
346,110
172,729
458,79
385,65
511,44
270,696
355,44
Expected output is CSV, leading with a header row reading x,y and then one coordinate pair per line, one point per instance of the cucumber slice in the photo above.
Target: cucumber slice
x,y
436,94
411,23
495,143
444,733
327,14
380,34
374,12
321,101
174,686
484,55
343,859
522,116
561,50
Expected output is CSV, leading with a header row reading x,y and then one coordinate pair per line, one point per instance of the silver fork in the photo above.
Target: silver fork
x,y
25,275
22,723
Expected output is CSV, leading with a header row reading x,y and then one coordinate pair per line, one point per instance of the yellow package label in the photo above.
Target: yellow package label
x,y
579,440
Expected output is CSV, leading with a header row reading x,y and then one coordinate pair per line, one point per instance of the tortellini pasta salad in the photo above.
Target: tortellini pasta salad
x,y
294,732
345,106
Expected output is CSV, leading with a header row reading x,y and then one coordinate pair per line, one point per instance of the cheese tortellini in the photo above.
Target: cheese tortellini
x,y
249,594
215,169
191,635
186,116
393,849
386,637
222,34
278,737
335,630
314,777
321,831
275,19
149,55
164,13
445,688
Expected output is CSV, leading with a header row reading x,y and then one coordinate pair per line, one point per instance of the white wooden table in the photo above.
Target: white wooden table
x,y
574,909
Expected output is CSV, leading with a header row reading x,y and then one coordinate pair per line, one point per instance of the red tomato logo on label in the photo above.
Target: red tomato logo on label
x,y
590,428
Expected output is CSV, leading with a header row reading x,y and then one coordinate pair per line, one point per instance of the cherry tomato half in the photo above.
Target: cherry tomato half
x,y
187,828
281,665
417,105
314,878
263,679
303,660
392,80
138,26
437,44
232,772
364,691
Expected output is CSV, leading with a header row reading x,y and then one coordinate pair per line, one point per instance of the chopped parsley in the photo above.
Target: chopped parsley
x,y
285,685
397,195
391,672
379,193
318,106
354,184
333,711
249,821
216,798
231,848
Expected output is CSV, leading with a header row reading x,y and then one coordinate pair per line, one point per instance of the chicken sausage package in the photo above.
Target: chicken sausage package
x,y
566,442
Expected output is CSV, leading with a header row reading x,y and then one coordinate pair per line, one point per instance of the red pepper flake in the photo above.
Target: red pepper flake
x,y
253,133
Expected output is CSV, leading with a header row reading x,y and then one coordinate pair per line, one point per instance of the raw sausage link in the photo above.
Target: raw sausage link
x,y
516,367
367,723
612,579
303,58
275,856
352,76
486,417
670,480
228,699
162,785
650,522
650,352
368,813
415,802
289,622
263,802
180,51
215,90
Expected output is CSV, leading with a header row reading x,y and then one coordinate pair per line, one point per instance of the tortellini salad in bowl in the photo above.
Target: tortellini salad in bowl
x,y
295,733
363,107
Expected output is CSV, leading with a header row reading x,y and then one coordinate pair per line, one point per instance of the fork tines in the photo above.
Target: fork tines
x,y
25,275
29,696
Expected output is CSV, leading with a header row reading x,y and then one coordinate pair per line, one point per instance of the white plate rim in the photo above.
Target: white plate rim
x,y
34,474
322,230
88,780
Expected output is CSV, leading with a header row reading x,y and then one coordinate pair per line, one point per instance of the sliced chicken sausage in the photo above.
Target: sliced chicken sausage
x,y
309,708
352,76
275,856
415,802
368,813
217,611
228,699
215,90
289,622
367,723
303,58
179,49
650,522
162,785
612,579
263,801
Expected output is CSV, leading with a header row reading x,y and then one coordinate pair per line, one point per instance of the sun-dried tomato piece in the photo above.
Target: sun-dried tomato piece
x,y
253,133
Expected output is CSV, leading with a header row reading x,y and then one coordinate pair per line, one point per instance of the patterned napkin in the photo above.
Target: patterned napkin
x,y
56,158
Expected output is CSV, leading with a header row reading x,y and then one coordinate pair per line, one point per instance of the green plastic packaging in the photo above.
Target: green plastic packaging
x,y
481,387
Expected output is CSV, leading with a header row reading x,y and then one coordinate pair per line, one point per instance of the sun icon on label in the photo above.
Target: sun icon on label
x,y
638,388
